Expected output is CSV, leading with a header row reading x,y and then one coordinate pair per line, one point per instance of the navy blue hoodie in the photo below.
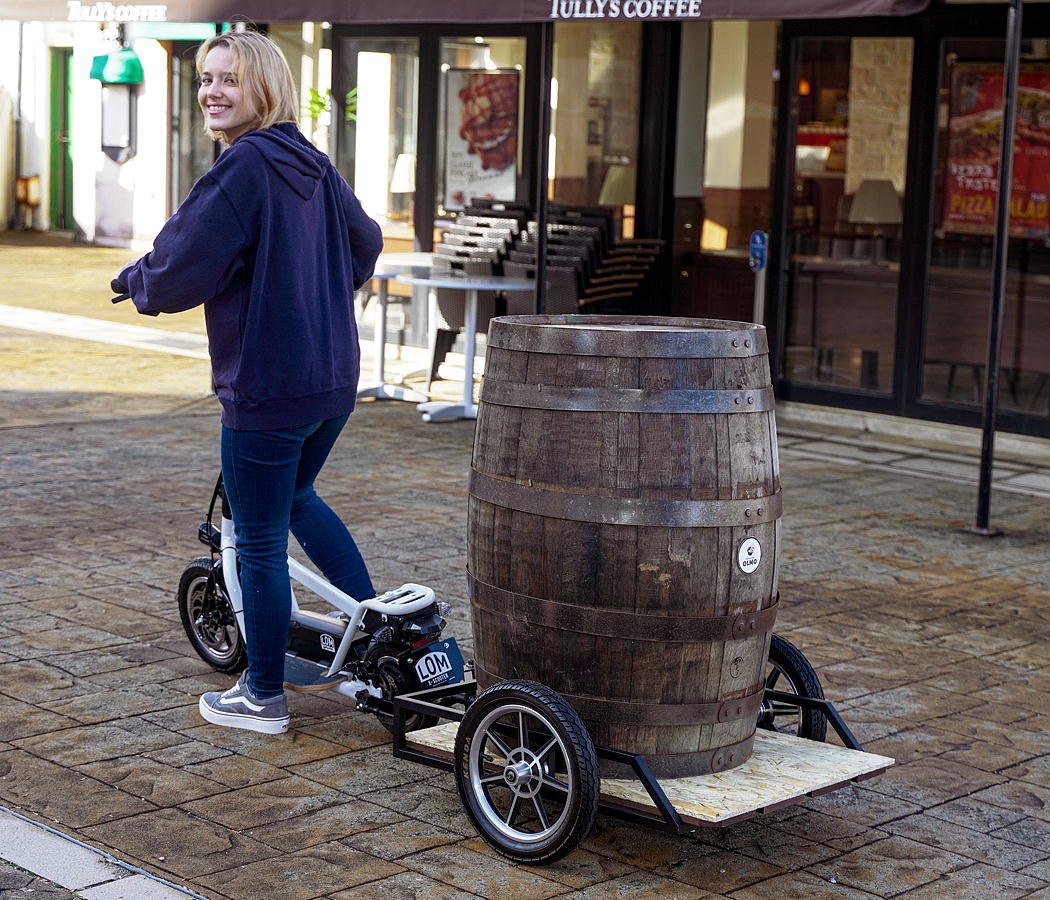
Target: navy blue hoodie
x,y
274,243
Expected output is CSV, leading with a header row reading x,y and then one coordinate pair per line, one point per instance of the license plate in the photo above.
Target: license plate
x,y
441,665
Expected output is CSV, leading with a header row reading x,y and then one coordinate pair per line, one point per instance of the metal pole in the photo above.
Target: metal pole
x,y
999,265
546,74
16,212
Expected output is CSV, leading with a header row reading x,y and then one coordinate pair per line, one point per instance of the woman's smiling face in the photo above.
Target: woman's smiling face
x,y
221,98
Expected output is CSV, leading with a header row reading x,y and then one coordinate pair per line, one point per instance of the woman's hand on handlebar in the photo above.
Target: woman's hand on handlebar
x,y
119,288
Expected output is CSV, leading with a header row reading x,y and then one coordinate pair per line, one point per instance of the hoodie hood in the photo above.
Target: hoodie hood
x,y
292,157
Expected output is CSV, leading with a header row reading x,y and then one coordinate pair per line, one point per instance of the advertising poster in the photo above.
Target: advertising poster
x,y
481,128
972,176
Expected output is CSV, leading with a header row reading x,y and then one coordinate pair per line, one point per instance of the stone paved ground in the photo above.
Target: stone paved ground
x,y
931,641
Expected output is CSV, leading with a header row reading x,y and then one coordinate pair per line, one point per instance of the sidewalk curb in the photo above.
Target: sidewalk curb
x,y
76,866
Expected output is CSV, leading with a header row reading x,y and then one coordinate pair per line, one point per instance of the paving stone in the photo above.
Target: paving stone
x,y
18,720
808,885
927,782
151,781
977,882
404,886
890,866
724,871
481,873
260,804
175,844
313,872
87,743
55,793
982,848
645,886
343,822
1031,799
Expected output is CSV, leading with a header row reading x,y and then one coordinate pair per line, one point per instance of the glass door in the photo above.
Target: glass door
x,y
375,120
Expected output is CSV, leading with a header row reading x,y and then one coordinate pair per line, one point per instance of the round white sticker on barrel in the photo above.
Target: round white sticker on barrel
x,y
749,555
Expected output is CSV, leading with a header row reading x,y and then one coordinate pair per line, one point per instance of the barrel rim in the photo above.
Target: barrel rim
x,y
632,336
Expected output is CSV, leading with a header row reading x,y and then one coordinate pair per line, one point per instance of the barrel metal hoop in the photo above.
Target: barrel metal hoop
x,y
614,623
625,400
652,337
701,762
620,712
579,507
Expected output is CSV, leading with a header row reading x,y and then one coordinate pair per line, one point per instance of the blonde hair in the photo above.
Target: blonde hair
x,y
262,73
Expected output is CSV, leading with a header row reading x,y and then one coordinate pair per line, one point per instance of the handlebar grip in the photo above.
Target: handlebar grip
x,y
119,288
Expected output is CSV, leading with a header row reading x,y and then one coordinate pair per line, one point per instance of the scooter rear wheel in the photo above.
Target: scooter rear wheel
x,y
208,617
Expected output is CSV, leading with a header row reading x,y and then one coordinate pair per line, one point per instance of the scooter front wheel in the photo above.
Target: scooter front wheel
x,y
208,617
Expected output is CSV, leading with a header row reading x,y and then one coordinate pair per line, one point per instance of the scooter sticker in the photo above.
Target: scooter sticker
x,y
749,555
433,669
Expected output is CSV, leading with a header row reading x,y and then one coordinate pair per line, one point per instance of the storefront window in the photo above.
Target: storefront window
x,y
960,286
594,118
853,99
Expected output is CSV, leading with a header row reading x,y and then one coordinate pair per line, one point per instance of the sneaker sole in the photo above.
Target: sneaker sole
x,y
249,723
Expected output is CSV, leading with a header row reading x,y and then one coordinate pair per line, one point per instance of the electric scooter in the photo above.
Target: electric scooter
x,y
369,650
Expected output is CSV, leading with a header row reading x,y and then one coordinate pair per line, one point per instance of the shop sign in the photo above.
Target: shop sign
x,y
974,128
625,9
78,11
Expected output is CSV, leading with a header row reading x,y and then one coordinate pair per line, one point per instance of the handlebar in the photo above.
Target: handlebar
x,y
119,288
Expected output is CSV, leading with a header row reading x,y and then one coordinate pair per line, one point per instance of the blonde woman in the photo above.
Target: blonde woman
x,y
273,242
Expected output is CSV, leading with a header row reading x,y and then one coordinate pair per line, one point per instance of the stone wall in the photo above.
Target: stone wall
x,y
879,99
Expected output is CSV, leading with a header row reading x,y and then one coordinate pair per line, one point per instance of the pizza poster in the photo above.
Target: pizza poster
x,y
481,134
974,126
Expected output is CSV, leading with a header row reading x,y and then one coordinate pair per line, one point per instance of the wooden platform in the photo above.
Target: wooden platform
x,y
783,769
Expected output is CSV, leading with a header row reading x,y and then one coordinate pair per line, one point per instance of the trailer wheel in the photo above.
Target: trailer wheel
x,y
527,772
789,671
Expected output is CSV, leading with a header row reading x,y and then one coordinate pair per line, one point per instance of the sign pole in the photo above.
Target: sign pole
x,y
999,267
756,261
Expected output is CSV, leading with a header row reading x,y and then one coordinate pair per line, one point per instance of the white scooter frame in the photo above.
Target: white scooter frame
x,y
403,601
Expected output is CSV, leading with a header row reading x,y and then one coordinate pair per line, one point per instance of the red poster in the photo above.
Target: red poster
x,y
974,126
481,130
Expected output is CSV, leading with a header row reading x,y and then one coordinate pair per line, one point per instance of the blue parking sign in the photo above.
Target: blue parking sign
x,y
757,256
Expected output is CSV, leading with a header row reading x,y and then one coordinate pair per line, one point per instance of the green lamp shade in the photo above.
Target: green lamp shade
x,y
120,67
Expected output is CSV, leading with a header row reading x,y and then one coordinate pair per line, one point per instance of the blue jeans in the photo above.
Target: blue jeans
x,y
269,479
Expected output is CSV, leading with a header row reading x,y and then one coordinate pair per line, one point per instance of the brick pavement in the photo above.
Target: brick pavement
x,y
931,641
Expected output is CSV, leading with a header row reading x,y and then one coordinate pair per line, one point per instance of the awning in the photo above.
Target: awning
x,y
466,12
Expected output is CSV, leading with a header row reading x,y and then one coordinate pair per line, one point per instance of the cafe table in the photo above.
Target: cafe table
x,y
471,285
388,266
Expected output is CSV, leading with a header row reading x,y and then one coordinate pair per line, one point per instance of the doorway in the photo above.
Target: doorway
x,y
192,151
60,208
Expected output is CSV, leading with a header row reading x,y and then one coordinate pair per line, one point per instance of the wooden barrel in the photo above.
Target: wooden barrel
x,y
623,527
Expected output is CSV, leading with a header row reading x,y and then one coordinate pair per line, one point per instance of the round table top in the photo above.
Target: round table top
x,y
390,265
452,278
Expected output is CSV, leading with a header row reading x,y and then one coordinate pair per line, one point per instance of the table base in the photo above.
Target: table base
x,y
445,411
